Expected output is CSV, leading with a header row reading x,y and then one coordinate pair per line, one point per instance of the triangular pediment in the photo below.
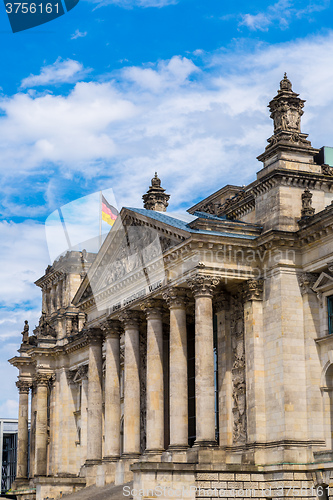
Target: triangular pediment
x,y
323,283
130,261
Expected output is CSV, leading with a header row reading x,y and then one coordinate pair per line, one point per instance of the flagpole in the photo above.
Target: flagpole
x,y
100,219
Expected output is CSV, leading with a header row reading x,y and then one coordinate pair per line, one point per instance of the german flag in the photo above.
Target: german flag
x,y
109,212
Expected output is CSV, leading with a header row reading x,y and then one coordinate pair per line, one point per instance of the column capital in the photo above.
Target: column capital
x,y
23,386
153,308
129,318
175,297
252,290
203,285
95,335
43,379
306,282
112,328
221,301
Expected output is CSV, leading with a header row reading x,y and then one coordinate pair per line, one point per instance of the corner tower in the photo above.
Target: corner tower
x,y
288,144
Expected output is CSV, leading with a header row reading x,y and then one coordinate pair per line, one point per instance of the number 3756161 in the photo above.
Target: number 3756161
x,y
31,8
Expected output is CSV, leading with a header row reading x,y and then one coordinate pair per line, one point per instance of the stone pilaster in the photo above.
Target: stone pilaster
x,y
112,391
94,444
42,381
175,298
22,435
254,391
154,387
202,287
313,368
131,385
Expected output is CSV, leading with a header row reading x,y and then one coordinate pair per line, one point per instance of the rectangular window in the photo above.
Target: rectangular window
x,y
330,314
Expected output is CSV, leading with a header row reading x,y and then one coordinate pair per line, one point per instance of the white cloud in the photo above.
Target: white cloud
x,y
9,409
281,13
79,34
60,71
170,116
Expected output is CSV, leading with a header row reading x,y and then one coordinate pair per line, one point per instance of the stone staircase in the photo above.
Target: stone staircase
x,y
109,492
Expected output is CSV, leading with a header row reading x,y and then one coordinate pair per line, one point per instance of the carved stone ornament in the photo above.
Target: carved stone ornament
x,y
238,370
76,376
327,170
221,301
23,386
25,333
153,308
95,335
43,379
44,329
175,297
156,198
307,209
203,285
252,289
306,282
112,328
130,319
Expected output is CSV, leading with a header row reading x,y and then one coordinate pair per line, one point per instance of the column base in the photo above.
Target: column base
x,y
130,455
114,458
90,463
154,452
204,443
178,447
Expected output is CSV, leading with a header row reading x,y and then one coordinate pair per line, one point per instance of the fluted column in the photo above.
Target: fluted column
x,y
42,381
131,385
94,443
154,384
202,287
175,298
22,435
112,391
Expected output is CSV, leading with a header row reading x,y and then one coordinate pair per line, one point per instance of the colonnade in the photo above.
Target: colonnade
x,y
202,288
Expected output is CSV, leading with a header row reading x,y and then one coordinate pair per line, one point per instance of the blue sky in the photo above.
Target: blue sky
x,y
114,90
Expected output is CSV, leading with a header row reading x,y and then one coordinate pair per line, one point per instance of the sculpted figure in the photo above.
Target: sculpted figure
x,y
25,333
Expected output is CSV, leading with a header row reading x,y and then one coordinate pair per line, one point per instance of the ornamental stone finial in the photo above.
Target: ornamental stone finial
x,y
285,84
156,198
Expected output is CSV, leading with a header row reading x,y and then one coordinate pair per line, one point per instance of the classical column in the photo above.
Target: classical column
x,y
94,444
42,381
112,391
131,385
154,382
22,435
202,287
32,454
175,298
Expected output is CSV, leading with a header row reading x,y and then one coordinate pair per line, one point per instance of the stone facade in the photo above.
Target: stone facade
x,y
192,355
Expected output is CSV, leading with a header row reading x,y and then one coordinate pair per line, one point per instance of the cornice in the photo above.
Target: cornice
x,y
244,202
